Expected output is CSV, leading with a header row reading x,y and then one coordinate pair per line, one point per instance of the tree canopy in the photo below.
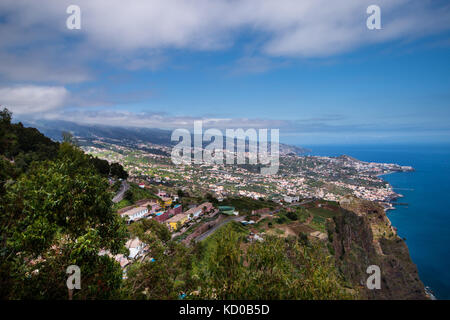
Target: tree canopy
x,y
56,211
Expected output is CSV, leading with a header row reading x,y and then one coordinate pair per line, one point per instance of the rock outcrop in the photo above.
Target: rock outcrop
x,y
362,236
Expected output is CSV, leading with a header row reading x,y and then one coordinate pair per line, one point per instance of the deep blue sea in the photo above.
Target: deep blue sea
x,y
425,221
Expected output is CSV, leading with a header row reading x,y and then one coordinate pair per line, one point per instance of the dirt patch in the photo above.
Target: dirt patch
x,y
293,229
298,228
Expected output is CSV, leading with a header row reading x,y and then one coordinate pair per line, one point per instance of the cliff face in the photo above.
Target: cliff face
x,y
363,236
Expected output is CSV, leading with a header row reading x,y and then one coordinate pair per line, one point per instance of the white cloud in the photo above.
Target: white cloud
x,y
36,47
47,65
155,120
306,28
32,99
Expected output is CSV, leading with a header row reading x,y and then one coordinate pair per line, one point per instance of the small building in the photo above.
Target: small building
x,y
181,218
177,220
166,201
206,207
161,193
122,260
136,213
200,210
136,248
291,199
155,207
194,212
161,216
177,209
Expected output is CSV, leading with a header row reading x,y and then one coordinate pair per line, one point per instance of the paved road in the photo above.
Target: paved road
x,y
123,188
302,203
213,229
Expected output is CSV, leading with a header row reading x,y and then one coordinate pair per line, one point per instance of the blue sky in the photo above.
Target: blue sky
x,y
310,68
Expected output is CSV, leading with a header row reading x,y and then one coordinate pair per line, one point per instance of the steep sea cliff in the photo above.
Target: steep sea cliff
x,y
363,236
423,218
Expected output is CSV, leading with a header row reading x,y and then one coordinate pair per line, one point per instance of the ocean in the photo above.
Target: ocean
x,y
425,221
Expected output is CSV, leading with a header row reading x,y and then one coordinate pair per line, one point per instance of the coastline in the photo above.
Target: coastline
x,y
390,205
426,191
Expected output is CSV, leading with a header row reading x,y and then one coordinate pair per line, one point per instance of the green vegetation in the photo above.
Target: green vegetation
x,y
246,205
22,145
224,266
274,269
133,194
56,211
318,223
210,243
166,271
139,193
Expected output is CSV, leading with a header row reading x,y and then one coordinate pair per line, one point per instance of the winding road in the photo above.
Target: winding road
x,y
123,188
217,226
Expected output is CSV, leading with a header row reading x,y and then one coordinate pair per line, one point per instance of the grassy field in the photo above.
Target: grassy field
x,y
318,223
211,241
122,204
323,212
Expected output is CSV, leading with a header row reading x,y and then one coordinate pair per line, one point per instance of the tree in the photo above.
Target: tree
x,y
67,137
5,130
7,173
166,268
59,214
211,198
276,268
23,145
118,171
129,195
292,215
223,272
101,165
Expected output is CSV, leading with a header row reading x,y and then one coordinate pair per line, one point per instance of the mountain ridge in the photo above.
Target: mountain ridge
x,y
54,129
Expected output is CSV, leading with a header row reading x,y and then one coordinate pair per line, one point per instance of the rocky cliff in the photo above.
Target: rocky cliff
x,y
362,236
